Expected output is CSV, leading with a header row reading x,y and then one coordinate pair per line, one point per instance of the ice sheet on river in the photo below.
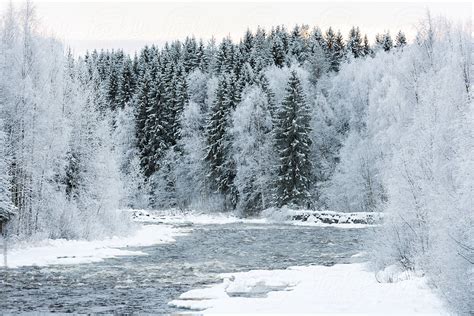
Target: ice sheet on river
x,y
342,289
61,251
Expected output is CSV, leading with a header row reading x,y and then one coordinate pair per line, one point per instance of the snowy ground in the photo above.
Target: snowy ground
x,y
339,289
61,251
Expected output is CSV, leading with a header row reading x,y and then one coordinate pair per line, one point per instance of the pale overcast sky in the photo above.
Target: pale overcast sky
x,y
131,24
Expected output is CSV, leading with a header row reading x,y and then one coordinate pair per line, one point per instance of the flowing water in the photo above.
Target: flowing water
x,y
145,284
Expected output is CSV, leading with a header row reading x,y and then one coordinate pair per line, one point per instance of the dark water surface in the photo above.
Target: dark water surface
x,y
145,284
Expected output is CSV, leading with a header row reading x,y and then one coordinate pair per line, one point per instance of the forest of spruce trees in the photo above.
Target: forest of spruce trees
x,y
204,158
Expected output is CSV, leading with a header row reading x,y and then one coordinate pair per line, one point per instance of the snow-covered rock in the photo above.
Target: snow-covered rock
x,y
310,217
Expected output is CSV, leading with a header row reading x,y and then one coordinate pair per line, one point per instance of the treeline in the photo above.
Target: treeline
x,y
210,129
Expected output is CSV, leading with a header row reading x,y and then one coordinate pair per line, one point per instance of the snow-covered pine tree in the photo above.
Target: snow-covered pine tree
x,y
238,62
366,50
142,102
387,43
293,146
126,83
224,62
202,56
383,41
169,98
400,40
378,41
221,166
191,58
180,99
261,55
174,51
174,87
334,48
113,69
317,36
135,69
278,47
157,123
210,57
297,49
354,44
295,45
247,44
339,49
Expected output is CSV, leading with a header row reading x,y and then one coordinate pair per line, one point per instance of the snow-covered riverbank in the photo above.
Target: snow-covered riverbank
x,y
61,251
269,216
340,289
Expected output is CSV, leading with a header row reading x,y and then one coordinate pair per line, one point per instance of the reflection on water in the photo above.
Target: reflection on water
x,y
145,284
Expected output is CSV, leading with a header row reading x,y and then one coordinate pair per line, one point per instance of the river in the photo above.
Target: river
x,y
145,284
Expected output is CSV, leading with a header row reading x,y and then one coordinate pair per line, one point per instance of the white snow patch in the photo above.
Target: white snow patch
x,y
62,251
342,289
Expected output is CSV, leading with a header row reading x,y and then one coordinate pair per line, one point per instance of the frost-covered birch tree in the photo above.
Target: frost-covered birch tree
x,y
254,150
